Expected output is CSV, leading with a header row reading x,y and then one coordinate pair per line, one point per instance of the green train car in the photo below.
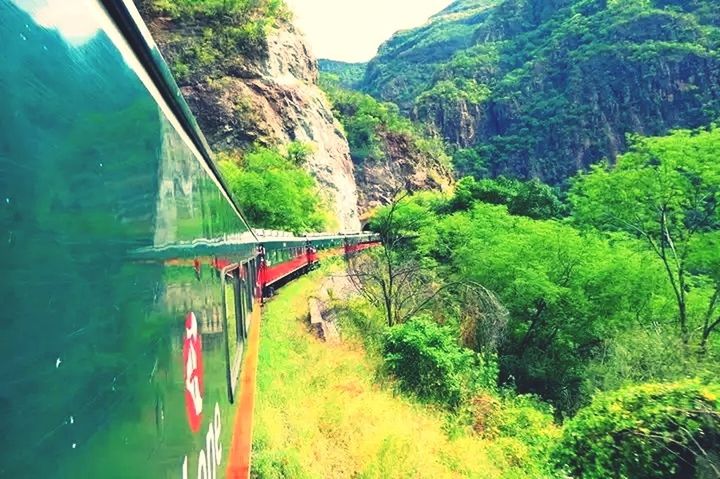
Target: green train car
x,y
129,275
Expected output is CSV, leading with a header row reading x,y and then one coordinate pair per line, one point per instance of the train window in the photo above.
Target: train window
x,y
243,302
234,328
248,276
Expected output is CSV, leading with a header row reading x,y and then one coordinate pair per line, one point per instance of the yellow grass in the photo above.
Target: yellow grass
x,y
320,414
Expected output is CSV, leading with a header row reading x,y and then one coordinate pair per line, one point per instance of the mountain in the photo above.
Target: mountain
x,y
544,88
349,74
250,79
391,154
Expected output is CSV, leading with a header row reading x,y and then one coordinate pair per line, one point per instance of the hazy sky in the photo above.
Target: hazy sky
x,y
352,30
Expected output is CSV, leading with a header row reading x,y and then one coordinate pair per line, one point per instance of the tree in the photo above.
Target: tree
x,y
397,284
533,198
273,192
648,431
664,191
537,200
704,259
403,283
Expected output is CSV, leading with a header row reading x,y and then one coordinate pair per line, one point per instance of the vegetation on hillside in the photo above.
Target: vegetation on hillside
x,y
323,411
541,88
273,190
348,75
220,32
612,307
665,192
369,125
648,431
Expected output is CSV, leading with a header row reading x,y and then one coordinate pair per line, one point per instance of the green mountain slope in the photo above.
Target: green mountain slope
x,y
349,74
542,88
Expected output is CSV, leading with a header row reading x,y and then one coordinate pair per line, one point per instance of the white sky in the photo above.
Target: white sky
x,y
352,30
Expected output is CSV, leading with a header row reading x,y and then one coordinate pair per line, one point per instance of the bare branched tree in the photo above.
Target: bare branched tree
x,y
403,286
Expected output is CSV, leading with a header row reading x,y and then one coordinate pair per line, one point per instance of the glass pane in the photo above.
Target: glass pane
x,y
233,338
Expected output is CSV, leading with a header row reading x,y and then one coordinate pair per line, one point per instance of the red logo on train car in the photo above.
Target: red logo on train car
x,y
192,359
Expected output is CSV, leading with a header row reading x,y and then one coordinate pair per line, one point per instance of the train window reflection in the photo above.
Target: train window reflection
x,y
234,329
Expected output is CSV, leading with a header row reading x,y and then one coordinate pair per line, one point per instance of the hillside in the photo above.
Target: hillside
x,y
349,74
253,84
391,154
322,412
543,88
250,80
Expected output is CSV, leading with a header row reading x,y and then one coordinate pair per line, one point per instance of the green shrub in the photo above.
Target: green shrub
x,y
273,192
533,198
640,355
428,362
651,431
527,418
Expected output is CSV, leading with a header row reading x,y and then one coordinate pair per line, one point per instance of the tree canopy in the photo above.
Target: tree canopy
x,y
273,191
664,191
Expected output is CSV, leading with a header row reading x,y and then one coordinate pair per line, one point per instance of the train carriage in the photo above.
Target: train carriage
x,y
131,282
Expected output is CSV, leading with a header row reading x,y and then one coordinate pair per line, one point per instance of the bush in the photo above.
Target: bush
x,y
533,198
651,431
428,362
273,192
640,355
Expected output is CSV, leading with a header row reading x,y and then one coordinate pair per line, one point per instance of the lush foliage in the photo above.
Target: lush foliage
x,y
533,199
614,304
584,303
349,75
665,191
370,125
652,431
321,412
540,88
565,292
273,191
428,362
223,29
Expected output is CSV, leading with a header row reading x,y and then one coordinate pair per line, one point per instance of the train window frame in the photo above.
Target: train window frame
x,y
233,364
243,303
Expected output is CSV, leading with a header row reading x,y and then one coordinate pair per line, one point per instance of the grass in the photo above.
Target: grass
x,y
320,413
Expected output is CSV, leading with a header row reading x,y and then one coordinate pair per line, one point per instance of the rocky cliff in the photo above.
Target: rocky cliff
x,y
247,88
405,168
391,153
543,88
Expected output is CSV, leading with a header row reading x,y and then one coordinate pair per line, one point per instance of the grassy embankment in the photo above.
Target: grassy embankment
x,y
321,411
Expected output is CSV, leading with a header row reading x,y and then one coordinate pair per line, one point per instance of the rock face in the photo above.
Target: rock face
x,y
543,88
404,169
267,96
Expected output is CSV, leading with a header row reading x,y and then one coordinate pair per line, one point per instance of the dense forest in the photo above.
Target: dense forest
x,y
542,88
369,124
601,311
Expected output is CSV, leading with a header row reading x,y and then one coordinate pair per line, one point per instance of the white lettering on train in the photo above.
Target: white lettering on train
x,y
210,457
192,381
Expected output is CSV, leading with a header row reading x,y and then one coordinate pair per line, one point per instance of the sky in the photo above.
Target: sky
x,y
352,30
